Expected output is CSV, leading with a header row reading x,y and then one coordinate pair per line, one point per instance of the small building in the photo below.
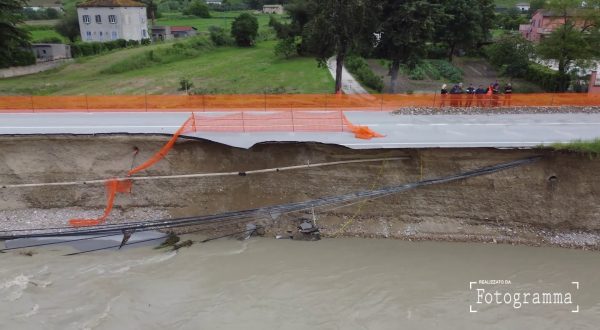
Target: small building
x,y
542,23
105,20
214,2
44,4
523,7
273,9
50,52
160,33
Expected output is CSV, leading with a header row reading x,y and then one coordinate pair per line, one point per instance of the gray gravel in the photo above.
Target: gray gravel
x,y
496,110
59,217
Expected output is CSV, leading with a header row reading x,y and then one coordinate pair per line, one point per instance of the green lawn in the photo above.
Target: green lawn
x,y
222,70
221,19
38,35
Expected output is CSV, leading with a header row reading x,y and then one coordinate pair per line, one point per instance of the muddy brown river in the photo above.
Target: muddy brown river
x,y
282,284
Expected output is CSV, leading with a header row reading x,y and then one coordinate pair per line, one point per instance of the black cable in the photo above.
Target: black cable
x,y
273,210
154,239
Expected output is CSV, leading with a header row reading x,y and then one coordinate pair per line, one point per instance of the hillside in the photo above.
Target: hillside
x,y
220,70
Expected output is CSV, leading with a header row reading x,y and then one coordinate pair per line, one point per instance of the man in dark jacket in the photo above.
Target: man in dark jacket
x,y
470,92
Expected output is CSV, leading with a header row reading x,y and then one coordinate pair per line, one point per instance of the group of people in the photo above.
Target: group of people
x,y
483,97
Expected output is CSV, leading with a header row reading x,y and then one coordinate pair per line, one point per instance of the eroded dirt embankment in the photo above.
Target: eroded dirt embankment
x,y
554,201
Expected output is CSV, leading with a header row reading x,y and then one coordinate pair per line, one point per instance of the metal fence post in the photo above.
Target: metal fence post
x,y
434,95
243,122
87,106
293,122
381,107
265,93
146,99
32,106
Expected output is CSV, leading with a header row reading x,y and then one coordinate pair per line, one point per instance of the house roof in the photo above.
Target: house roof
x,y
111,3
182,28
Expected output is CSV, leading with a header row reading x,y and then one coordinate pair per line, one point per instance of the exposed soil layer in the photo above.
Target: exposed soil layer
x,y
553,201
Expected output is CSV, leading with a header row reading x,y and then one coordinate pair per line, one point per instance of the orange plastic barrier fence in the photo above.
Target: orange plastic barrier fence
x,y
113,186
268,121
280,102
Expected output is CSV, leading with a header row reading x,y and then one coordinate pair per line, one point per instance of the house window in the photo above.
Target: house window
x,y
100,34
88,35
98,19
114,35
112,19
86,19
144,34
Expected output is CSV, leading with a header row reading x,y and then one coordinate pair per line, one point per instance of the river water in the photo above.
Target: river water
x,y
282,284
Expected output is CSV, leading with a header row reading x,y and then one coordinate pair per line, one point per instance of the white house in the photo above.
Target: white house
x,y
105,20
214,2
522,6
273,9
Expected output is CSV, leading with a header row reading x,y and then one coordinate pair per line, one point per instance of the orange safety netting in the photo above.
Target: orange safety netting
x,y
188,126
361,132
113,186
283,102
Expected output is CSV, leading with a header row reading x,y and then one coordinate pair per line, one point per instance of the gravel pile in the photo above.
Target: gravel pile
x,y
49,218
497,110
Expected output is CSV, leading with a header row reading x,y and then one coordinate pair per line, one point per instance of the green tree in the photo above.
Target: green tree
x,y
68,26
406,28
467,24
197,8
151,9
336,28
244,30
574,41
510,19
286,48
535,5
511,53
14,42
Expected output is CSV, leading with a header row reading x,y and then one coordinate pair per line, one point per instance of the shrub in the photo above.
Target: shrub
x,y
219,36
49,40
198,9
547,78
244,30
286,48
362,72
447,70
185,84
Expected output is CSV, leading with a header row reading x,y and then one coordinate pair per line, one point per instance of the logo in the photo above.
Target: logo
x,y
502,292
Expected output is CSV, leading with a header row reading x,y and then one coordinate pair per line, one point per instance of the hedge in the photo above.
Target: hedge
x,y
79,49
361,71
545,77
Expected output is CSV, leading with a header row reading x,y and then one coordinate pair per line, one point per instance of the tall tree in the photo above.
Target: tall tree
x,y
68,26
467,24
151,9
12,39
335,28
406,28
244,30
576,40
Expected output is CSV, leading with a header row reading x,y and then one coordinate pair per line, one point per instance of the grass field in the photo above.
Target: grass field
x,y
221,19
222,70
38,35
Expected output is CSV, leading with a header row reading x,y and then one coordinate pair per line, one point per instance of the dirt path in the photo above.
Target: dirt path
x,y
349,84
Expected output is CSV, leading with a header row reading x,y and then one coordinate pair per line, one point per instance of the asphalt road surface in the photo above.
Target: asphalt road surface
x,y
416,131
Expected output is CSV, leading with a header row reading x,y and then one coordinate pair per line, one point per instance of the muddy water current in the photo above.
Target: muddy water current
x,y
282,284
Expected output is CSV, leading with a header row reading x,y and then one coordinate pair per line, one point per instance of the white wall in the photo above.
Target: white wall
x,y
130,25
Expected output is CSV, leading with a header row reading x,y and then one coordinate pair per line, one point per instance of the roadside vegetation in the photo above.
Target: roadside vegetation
x,y
588,147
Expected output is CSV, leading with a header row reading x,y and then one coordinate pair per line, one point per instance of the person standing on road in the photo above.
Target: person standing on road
x,y
443,95
507,94
470,92
479,93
